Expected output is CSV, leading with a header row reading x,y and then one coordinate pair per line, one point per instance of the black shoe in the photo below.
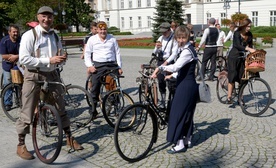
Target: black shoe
x,y
8,107
94,114
229,101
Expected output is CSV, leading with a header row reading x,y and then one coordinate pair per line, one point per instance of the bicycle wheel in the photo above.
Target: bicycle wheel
x,y
153,62
135,142
78,109
221,63
222,92
47,134
255,97
12,92
87,83
113,105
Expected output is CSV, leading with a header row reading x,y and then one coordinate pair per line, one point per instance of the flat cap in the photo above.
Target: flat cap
x,y
45,9
165,26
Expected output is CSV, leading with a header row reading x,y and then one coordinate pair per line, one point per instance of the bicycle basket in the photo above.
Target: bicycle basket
x,y
255,62
110,83
16,76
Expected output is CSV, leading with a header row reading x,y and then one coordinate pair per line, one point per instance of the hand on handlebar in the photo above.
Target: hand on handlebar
x,y
154,74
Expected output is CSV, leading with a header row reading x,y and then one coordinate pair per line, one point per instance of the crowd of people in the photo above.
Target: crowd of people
x,y
176,49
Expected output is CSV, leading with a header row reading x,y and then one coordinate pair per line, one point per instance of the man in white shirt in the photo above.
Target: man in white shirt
x,y
40,53
210,37
106,55
220,41
166,51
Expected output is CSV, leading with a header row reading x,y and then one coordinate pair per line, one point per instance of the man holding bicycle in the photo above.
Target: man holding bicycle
x,y
106,55
40,53
9,49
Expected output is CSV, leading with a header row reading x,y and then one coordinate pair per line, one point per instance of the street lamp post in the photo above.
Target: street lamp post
x,y
226,6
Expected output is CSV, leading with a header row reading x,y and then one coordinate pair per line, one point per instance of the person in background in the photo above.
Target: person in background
x,y
230,34
220,41
93,31
210,38
106,55
180,123
192,34
9,49
41,65
173,25
242,42
166,47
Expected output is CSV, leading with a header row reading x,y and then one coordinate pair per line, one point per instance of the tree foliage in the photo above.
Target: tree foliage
x,y
167,11
238,18
78,13
22,11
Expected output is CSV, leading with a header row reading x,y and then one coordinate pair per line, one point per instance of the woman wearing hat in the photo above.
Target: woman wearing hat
x,y
242,42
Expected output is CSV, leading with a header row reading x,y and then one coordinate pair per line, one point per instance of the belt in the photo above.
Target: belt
x,y
38,71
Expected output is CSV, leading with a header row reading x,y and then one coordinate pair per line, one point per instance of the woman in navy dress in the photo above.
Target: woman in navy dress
x,y
186,95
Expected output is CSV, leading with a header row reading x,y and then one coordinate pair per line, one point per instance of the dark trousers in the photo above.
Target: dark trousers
x,y
209,54
161,80
97,78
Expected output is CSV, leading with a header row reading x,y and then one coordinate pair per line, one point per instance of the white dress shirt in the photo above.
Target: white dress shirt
x,y
171,47
221,38
36,55
103,51
184,58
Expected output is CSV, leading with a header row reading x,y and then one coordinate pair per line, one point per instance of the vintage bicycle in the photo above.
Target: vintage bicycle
x,y
135,136
254,93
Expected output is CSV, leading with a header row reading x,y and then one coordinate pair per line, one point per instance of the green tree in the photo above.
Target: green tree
x,y
5,20
78,13
167,11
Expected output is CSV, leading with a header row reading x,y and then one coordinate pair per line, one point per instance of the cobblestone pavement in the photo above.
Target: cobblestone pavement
x,y
224,137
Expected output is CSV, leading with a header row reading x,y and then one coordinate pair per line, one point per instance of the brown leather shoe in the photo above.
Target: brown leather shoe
x,y
72,143
24,153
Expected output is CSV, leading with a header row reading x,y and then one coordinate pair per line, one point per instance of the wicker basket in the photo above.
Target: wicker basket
x,y
254,62
16,76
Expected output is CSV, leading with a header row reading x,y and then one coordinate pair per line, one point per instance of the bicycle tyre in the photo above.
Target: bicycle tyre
x,y
153,62
47,134
222,92
15,96
255,97
135,142
78,105
1,82
113,105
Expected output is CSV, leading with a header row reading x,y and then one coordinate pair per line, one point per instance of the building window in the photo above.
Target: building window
x,y
123,22
255,18
208,0
222,17
139,22
108,4
208,16
139,3
149,21
107,21
122,4
130,22
272,18
129,3
148,3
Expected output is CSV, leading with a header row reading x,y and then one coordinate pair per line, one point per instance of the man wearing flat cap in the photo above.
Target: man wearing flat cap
x,y
210,37
166,50
40,52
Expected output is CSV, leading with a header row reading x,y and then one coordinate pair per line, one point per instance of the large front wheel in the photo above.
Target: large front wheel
x,y
47,134
78,105
255,97
113,105
134,143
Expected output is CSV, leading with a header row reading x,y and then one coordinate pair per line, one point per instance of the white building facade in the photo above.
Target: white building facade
x,y
136,15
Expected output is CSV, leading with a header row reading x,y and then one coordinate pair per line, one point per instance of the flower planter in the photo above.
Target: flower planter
x,y
266,44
